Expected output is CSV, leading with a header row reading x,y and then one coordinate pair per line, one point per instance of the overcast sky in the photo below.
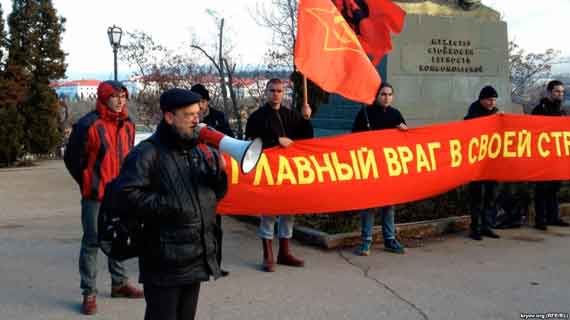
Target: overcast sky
x,y
535,25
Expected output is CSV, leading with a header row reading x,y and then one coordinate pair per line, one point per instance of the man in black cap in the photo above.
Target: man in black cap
x,y
173,183
482,192
217,120
210,116
546,192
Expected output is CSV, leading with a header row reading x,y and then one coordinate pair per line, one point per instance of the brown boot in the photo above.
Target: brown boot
x,y
89,305
268,263
286,257
127,291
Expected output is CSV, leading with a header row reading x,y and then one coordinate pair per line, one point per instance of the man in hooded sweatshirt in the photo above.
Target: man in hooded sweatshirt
x,y
546,192
98,144
482,192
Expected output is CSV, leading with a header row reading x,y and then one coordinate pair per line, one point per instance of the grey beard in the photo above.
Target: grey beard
x,y
188,136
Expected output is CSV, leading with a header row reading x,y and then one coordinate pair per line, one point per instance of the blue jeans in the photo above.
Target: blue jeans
x,y
367,222
284,227
90,249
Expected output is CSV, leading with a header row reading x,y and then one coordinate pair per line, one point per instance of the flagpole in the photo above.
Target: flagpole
x,y
304,90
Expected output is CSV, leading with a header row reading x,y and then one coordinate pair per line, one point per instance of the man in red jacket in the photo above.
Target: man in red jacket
x,y
98,144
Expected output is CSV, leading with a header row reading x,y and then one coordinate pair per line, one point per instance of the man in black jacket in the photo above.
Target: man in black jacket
x,y
210,116
546,192
277,125
173,183
217,120
482,192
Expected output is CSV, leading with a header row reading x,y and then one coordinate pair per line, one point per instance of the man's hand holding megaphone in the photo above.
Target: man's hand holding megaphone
x,y
247,153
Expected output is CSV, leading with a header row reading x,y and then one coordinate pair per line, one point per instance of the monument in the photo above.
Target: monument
x,y
448,51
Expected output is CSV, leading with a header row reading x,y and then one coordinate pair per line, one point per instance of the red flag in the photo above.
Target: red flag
x,y
327,51
373,21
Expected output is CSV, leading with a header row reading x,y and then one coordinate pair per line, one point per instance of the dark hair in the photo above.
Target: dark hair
x,y
201,90
384,85
273,81
554,83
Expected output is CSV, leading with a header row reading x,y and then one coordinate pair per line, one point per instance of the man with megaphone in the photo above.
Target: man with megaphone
x,y
277,125
173,183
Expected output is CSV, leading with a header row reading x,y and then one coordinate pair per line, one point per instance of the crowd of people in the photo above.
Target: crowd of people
x,y
173,183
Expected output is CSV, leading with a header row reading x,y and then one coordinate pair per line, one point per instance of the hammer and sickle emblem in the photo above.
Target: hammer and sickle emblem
x,y
345,36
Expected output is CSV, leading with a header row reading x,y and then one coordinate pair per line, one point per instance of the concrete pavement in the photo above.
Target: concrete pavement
x,y
526,271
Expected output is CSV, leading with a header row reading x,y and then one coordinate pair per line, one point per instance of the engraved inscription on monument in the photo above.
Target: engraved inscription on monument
x,y
451,56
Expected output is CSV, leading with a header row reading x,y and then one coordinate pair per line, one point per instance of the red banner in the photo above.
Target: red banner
x,y
378,168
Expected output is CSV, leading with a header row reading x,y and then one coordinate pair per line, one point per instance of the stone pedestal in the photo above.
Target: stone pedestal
x,y
438,65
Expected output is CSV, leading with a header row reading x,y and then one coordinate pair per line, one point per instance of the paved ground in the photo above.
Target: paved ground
x,y
449,278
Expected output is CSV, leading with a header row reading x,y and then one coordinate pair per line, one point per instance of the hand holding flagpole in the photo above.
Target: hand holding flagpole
x,y
306,109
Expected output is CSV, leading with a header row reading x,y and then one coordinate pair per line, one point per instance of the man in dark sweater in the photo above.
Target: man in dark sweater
x,y
482,192
379,116
210,116
277,125
217,120
546,192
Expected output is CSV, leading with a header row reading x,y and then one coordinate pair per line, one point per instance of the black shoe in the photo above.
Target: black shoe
x,y
224,273
541,226
489,233
475,235
559,223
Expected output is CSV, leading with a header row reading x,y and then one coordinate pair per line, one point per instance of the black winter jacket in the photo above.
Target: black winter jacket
x,y
476,110
548,108
218,120
174,188
375,117
270,125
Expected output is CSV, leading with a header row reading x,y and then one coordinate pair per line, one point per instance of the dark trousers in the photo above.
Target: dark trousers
x,y
482,201
171,303
546,202
219,237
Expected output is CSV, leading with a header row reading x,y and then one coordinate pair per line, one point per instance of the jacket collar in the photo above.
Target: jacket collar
x,y
170,137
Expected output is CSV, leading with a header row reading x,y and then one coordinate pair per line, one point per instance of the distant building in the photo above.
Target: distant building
x,y
76,89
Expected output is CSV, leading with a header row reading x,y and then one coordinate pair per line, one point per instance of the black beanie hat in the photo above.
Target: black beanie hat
x,y
201,90
488,92
173,99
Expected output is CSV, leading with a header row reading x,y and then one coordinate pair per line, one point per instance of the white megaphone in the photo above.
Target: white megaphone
x,y
247,153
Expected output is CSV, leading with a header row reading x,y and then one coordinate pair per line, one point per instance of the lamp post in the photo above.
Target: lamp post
x,y
115,34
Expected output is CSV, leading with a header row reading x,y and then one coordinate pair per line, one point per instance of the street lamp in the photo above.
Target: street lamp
x,y
115,34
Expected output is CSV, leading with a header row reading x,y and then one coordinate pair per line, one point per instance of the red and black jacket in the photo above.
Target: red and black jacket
x,y
98,144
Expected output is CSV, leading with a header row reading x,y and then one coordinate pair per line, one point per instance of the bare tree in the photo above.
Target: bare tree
x,y
280,16
156,69
528,69
226,71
